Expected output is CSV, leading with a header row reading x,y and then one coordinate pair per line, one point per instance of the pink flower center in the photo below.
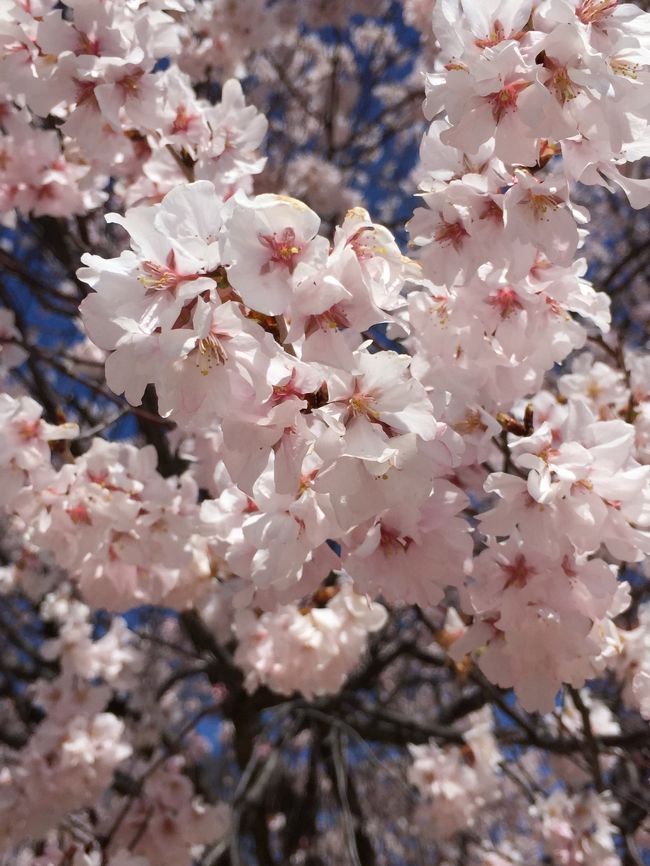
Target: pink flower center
x,y
541,202
361,406
85,93
560,83
164,278
361,243
493,212
471,423
87,44
497,34
182,121
29,429
286,391
79,514
284,249
130,84
541,265
335,317
506,301
391,543
518,571
450,234
505,100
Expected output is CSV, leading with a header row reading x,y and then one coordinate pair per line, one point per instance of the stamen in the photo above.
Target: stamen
x,y
284,249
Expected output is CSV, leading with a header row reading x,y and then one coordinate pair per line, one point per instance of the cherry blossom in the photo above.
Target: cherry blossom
x,y
267,238
456,782
309,650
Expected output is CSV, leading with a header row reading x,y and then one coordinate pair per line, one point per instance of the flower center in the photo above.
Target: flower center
x,y
284,249
87,44
505,100
85,92
164,278
391,543
496,35
182,121
335,317
450,234
365,245
360,405
517,572
592,11
130,84
506,301
561,85
28,430
625,68
210,352
541,202
286,391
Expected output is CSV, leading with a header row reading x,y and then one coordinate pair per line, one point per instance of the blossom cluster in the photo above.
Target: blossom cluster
x,y
325,450
95,69
467,788
521,86
69,760
169,821
308,650
456,782
246,321
358,430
